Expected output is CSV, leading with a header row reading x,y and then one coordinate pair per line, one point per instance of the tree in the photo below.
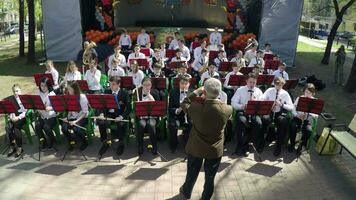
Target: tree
x,y
21,28
31,55
350,85
339,17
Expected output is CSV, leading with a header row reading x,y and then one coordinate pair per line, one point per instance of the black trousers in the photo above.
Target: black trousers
x,y
44,130
230,93
13,130
80,133
148,124
174,124
298,124
117,132
194,164
245,122
281,122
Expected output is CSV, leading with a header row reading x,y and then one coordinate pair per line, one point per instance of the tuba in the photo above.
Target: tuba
x,y
87,54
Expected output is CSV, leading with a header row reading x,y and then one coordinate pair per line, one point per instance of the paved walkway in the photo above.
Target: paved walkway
x,y
311,177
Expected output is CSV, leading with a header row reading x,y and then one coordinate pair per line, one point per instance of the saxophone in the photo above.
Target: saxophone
x,y
87,56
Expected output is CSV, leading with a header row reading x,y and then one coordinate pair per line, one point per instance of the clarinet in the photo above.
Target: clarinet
x,y
274,113
251,98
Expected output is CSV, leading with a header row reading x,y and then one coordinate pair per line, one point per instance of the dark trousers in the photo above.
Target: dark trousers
x,y
296,125
243,123
230,93
117,132
194,164
80,133
148,124
45,126
174,124
13,130
281,122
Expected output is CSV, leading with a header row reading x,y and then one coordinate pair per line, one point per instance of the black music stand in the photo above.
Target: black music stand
x,y
7,107
39,76
225,66
237,80
265,80
246,70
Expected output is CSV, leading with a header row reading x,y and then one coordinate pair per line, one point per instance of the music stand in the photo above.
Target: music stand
x,y
213,54
33,102
265,79
66,103
7,107
145,51
176,64
170,53
237,80
268,56
127,82
225,66
150,108
141,62
192,82
83,85
290,84
310,105
159,83
246,70
39,76
272,65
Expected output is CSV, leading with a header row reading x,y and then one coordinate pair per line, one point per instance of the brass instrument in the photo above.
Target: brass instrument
x,y
87,55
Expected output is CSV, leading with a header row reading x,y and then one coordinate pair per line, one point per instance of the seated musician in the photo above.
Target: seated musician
x,y
211,73
177,118
148,46
182,71
125,41
258,60
239,102
162,52
136,54
120,58
194,44
198,50
215,37
76,118
221,47
250,54
122,112
72,72
156,59
238,59
267,49
282,104
221,58
174,42
302,121
92,76
50,69
145,93
184,49
143,38
47,120
16,122
281,72
229,89
200,63
136,74
157,71
115,69
179,56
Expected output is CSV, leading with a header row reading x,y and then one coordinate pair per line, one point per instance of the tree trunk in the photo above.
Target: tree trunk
x,y
350,85
331,38
21,28
31,56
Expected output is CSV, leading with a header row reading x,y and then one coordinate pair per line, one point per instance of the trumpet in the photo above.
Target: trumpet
x,y
87,56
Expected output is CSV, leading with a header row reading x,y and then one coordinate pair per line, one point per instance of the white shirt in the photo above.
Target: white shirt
x,y
227,79
135,56
283,74
47,103
240,61
93,79
72,76
173,44
122,60
249,55
186,74
223,97
185,52
198,63
242,96
21,109
183,95
175,59
283,97
207,75
83,101
143,39
311,116
197,52
125,40
218,61
118,71
55,77
257,61
137,77
215,38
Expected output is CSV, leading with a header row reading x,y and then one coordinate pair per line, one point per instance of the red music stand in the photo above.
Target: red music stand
x,y
265,79
192,81
83,85
213,55
32,102
195,45
127,82
64,103
225,66
159,83
290,84
170,53
150,108
272,64
176,64
310,105
7,107
268,56
39,76
102,101
141,62
145,51
237,80
246,70
259,107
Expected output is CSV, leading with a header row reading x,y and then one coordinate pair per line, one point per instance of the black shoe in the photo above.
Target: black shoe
x,y
12,151
103,149
299,150
277,151
140,150
19,152
182,193
154,151
291,148
241,152
84,145
260,148
120,150
70,147
173,150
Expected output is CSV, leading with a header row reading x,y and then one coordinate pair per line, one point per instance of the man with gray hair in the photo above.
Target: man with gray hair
x,y
206,139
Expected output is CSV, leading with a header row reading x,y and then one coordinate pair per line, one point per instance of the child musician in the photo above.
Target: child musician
x,y
198,50
47,119
120,113
136,74
282,104
92,76
72,72
179,57
184,49
239,102
16,121
239,60
211,73
55,75
120,57
302,121
158,73
145,93
115,69
221,58
174,42
251,53
215,37
183,71
200,62
125,41
258,60
194,44
135,55
229,89
143,38
76,118
177,118
156,59
281,72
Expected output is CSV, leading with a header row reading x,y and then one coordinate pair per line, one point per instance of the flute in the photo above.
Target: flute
x,y
110,119
66,121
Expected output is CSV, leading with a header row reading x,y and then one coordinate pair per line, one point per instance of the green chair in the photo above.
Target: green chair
x,y
104,81
26,128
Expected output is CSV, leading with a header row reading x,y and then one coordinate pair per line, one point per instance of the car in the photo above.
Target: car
x,y
321,34
346,35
